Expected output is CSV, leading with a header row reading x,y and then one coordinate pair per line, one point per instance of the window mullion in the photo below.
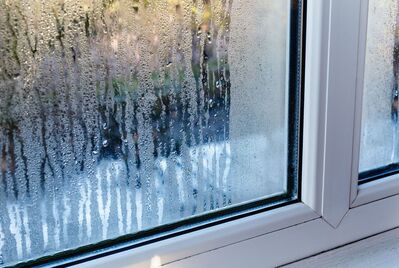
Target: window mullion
x,y
359,93
340,108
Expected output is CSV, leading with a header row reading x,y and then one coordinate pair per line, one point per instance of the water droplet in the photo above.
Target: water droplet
x,y
105,126
209,38
95,152
105,143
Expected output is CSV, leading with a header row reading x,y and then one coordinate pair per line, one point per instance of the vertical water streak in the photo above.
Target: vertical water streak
x,y
395,89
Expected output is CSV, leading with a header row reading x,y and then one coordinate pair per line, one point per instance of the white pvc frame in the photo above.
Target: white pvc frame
x,y
334,210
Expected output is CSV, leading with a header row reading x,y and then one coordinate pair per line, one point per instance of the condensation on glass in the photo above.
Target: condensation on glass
x,y
118,116
380,133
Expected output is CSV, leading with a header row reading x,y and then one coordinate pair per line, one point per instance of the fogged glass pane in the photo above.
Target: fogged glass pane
x,y
118,116
380,132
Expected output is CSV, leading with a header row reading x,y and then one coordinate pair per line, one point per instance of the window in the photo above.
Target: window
x,y
128,120
379,141
324,145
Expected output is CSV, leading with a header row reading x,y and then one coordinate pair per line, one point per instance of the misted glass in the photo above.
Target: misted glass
x,y
380,133
118,116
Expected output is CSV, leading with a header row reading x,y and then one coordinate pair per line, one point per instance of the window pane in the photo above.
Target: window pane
x,y
379,140
119,116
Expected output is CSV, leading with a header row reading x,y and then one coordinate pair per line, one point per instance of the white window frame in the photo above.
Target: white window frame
x,y
333,210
